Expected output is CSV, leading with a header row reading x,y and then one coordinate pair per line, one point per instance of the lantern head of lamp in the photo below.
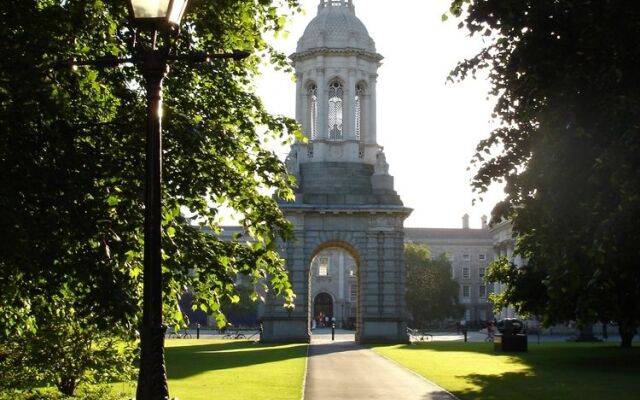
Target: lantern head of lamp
x,y
156,14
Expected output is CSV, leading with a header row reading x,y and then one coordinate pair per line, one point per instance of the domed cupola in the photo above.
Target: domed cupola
x,y
336,68
336,26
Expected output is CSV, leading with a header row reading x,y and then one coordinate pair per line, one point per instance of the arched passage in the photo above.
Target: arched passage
x,y
322,308
334,277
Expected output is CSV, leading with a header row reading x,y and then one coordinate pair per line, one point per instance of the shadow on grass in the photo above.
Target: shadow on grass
x,y
551,384
553,371
186,361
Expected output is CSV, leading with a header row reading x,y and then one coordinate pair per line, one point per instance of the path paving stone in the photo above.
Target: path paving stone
x,y
345,370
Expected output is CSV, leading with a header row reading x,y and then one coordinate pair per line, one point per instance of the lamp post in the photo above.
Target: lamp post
x,y
157,16
159,19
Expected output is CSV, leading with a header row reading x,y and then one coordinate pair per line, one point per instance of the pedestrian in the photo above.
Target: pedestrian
x,y
491,330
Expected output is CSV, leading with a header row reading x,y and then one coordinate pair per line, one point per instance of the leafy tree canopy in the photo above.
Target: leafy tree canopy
x,y
432,295
72,165
566,80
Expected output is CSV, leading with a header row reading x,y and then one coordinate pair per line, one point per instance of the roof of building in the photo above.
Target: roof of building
x,y
446,233
336,26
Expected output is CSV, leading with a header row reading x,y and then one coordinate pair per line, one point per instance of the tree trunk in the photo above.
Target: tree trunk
x,y
586,334
67,385
627,330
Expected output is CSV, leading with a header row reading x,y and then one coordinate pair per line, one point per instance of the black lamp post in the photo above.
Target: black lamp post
x,y
157,21
159,17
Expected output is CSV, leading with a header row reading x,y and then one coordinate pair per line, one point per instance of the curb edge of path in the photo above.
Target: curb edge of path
x,y
454,397
304,376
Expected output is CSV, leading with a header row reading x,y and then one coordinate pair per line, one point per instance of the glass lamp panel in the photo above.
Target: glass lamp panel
x,y
177,9
150,8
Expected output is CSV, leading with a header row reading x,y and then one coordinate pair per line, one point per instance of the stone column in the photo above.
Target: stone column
x,y
365,115
341,276
323,104
300,99
278,324
372,118
349,102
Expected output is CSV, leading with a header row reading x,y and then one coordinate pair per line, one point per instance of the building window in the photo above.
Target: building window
x,y
336,96
481,271
465,257
482,291
312,94
465,273
358,106
466,291
353,293
482,257
323,266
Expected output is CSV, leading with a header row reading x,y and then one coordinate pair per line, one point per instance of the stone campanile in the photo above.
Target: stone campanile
x,y
345,197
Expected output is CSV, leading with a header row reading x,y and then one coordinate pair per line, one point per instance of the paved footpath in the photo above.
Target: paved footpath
x,y
345,370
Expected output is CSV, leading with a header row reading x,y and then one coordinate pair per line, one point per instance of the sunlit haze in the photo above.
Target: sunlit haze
x,y
429,128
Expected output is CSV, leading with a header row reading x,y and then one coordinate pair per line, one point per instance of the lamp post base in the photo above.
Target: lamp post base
x,y
152,381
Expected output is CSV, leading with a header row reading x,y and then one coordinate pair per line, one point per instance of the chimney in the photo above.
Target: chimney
x,y
484,222
465,221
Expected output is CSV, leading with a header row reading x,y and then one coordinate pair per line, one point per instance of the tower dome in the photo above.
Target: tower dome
x,y
336,26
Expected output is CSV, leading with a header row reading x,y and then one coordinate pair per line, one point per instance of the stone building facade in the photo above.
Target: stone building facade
x,y
470,252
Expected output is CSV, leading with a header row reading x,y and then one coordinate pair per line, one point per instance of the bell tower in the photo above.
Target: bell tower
x,y
337,68
345,196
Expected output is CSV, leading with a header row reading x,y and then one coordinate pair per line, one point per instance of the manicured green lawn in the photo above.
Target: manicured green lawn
x,y
548,371
234,370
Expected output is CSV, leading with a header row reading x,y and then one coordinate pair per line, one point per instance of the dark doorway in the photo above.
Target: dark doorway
x,y
323,309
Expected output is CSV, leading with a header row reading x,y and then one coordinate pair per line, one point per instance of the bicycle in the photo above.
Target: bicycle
x,y
419,336
234,335
186,334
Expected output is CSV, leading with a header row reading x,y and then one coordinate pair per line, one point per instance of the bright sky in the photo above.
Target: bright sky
x,y
429,128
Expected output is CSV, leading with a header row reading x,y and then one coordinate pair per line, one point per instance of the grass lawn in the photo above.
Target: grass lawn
x,y
548,371
233,370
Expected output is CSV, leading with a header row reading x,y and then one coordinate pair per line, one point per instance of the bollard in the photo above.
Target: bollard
x,y
464,331
333,331
198,330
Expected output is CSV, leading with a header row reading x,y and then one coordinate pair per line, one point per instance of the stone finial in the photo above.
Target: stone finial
x,y
292,163
465,221
381,167
484,222
336,3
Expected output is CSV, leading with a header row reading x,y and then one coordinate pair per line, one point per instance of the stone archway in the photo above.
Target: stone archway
x,y
334,269
375,240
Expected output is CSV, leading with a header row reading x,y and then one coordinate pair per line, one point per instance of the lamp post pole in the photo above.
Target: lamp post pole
x,y
157,16
152,379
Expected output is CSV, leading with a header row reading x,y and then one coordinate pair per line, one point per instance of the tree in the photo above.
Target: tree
x,y
567,99
432,294
71,167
